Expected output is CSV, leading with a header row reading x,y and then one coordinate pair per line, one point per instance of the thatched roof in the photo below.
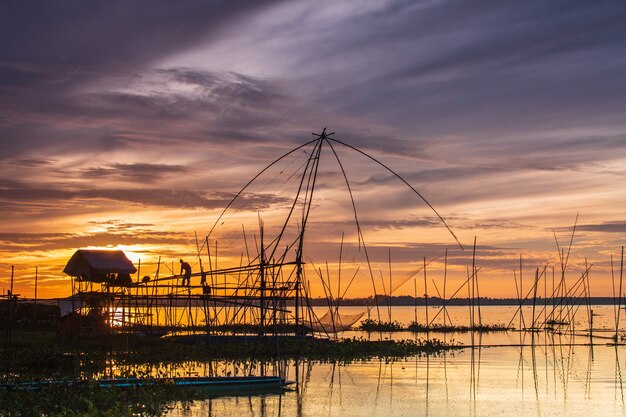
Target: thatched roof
x,y
92,265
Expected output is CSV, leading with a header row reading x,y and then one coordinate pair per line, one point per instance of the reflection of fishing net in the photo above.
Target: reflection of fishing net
x,y
332,323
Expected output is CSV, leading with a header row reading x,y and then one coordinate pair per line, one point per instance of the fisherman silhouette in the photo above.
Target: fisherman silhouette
x,y
184,266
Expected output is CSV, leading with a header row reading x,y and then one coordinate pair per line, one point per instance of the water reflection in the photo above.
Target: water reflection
x,y
531,378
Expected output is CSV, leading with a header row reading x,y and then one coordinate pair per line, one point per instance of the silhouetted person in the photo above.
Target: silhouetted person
x,y
206,290
184,266
123,280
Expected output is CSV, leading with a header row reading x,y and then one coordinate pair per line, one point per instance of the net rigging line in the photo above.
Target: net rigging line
x,y
405,182
231,237
253,179
327,137
312,175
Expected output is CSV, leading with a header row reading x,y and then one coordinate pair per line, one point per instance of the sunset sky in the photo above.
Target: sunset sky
x,y
131,124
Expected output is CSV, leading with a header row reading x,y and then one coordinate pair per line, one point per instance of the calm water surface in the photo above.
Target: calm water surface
x,y
503,381
524,375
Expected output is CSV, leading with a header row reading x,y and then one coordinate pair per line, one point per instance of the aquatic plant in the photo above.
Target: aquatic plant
x,y
484,328
35,355
370,325
89,400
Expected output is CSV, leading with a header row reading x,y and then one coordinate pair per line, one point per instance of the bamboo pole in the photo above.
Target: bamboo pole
x,y
390,286
473,283
262,276
414,299
535,297
9,316
35,302
619,300
469,296
12,274
521,292
613,288
480,316
426,297
445,273
339,276
545,303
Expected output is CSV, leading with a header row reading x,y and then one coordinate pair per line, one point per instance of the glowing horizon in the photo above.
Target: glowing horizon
x,y
384,236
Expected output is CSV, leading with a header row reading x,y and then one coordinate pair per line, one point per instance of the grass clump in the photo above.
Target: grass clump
x,y
89,400
370,325
49,357
448,328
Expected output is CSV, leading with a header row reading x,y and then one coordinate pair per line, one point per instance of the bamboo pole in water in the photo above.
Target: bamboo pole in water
x,y
414,299
390,285
426,297
535,297
588,297
262,276
613,288
472,301
386,296
329,294
553,295
619,295
445,273
202,276
544,274
521,292
339,296
480,317
469,295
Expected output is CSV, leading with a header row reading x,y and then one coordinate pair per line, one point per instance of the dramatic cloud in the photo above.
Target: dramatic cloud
x,y
128,118
148,197
607,227
54,241
135,172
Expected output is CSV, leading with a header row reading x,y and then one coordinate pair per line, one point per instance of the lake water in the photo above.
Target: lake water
x,y
503,381
507,374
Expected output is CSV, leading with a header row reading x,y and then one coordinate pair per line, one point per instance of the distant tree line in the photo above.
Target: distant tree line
x,y
407,300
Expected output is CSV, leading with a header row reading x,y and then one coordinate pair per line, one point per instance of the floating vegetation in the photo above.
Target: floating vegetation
x,y
90,400
36,355
40,356
370,325
393,326
482,328
555,323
